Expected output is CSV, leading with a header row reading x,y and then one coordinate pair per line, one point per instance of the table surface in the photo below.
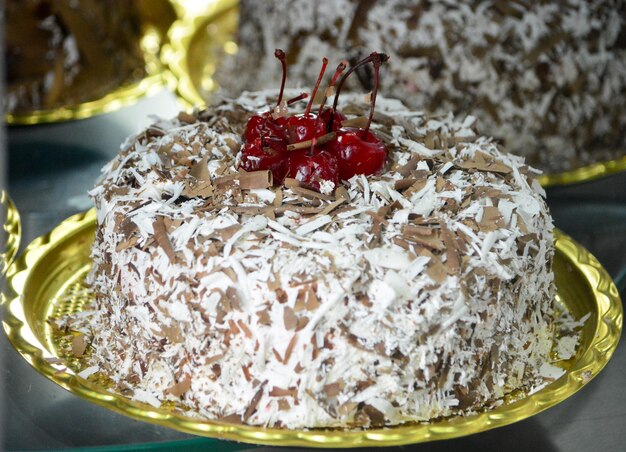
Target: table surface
x,y
52,167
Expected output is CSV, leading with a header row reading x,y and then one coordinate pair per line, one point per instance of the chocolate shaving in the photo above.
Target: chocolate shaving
x,y
484,162
264,317
417,186
162,239
172,333
332,206
231,419
290,347
453,260
202,189
289,318
436,270
178,389
127,244
278,200
200,170
254,402
298,209
213,359
187,118
311,193
403,184
154,131
367,413
281,392
312,302
227,232
247,180
359,122
234,330
79,345
244,328
405,170
290,182
333,389
492,219
342,193
408,246
421,235
246,372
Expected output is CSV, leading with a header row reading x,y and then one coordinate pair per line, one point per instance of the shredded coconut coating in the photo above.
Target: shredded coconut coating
x,y
548,79
422,292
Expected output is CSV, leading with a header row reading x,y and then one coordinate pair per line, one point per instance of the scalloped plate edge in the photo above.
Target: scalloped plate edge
x,y
587,366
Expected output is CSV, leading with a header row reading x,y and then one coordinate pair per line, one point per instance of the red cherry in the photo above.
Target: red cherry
x,y
357,152
253,128
337,118
321,150
255,158
266,125
300,128
311,170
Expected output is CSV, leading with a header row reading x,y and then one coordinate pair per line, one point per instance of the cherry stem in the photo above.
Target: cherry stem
x,y
377,62
299,97
340,68
317,85
373,57
278,53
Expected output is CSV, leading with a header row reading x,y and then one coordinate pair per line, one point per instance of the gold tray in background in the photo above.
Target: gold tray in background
x,y
127,93
12,233
197,42
48,280
207,32
585,173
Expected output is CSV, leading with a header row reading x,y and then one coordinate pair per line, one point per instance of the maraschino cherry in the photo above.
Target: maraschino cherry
x,y
358,151
313,148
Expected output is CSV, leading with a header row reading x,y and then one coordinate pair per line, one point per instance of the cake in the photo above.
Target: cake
x,y
289,296
60,53
544,78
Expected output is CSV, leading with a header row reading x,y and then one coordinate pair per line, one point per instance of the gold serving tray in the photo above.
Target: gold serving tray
x,y
126,94
48,280
207,32
12,232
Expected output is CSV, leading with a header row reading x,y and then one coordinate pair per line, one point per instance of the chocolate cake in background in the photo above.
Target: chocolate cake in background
x,y
66,52
547,79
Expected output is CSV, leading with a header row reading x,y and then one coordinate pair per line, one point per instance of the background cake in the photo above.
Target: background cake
x,y
70,51
420,292
545,78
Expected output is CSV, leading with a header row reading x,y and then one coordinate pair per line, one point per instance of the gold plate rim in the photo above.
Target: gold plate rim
x,y
13,230
183,31
607,330
124,95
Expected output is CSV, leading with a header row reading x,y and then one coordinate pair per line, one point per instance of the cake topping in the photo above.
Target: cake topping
x,y
318,150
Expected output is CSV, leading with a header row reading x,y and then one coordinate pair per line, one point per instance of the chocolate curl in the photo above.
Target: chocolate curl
x,y
313,142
